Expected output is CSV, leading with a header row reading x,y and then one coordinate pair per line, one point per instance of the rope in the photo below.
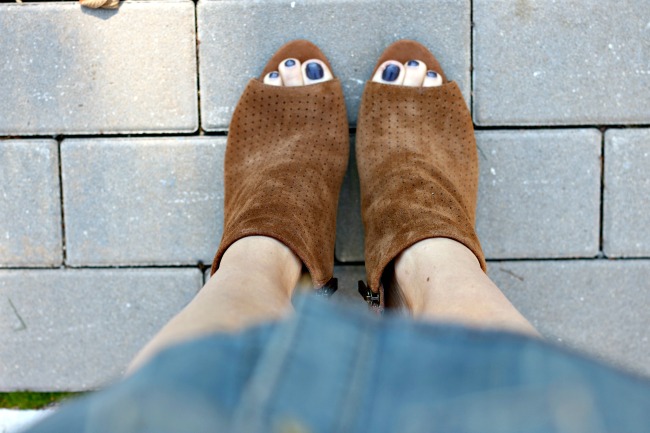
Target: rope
x,y
104,4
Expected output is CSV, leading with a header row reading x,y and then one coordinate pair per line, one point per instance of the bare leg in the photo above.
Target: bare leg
x,y
441,279
254,284
257,275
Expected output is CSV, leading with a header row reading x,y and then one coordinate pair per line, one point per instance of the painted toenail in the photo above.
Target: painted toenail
x,y
413,63
274,75
314,71
290,63
390,73
432,74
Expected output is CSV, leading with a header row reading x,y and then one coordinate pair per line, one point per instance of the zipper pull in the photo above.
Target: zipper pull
x,y
373,299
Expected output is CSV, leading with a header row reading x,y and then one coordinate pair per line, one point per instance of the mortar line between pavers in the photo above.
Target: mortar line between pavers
x,y
67,267
598,258
64,253
567,126
602,193
198,69
352,130
471,58
108,135
338,262
530,259
134,266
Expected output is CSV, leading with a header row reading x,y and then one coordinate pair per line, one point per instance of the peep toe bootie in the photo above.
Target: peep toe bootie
x,y
418,169
286,156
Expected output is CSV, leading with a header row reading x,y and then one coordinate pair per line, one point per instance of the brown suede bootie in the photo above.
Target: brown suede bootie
x,y
418,168
285,160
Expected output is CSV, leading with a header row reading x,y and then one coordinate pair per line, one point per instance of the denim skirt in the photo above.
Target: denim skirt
x,y
329,368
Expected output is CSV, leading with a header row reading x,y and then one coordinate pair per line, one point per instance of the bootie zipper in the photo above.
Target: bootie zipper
x,y
373,299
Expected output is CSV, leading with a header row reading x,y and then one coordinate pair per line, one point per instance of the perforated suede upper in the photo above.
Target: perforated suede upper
x,y
418,169
285,160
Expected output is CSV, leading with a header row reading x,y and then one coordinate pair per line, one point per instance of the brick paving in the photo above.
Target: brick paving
x,y
557,63
67,71
626,202
72,329
137,189
104,235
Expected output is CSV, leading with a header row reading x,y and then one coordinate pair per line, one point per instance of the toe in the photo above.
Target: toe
x,y
390,72
273,79
414,72
432,79
291,72
315,71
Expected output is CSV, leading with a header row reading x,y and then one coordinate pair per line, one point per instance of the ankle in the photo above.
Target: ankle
x,y
426,266
264,256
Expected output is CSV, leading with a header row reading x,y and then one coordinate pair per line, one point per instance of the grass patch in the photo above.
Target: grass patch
x,y
32,400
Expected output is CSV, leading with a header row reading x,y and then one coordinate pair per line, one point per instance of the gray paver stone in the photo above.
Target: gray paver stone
x,y
241,35
626,207
598,306
77,329
539,62
539,193
30,204
79,70
349,227
142,201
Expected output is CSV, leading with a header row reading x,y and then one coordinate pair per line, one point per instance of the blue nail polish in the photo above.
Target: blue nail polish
x,y
432,74
413,63
274,75
290,63
314,71
390,73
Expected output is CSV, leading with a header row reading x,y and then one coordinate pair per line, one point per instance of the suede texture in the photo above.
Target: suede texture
x,y
418,168
286,156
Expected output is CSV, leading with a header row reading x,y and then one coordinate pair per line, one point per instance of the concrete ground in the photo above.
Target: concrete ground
x,y
112,136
